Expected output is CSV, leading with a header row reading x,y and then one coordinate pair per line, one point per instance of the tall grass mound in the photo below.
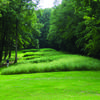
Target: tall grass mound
x,y
52,61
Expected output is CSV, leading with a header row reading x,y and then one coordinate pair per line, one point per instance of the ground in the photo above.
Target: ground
x,y
75,85
46,74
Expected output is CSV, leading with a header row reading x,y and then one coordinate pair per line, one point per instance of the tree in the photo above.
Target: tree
x,y
44,19
17,19
62,26
3,20
24,19
91,35
75,27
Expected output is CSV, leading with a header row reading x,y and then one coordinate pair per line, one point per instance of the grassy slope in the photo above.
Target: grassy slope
x,y
84,85
50,60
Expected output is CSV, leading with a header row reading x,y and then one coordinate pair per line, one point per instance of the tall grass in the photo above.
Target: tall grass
x,y
57,63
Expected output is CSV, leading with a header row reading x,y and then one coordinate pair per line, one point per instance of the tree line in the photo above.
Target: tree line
x,y
73,26
18,26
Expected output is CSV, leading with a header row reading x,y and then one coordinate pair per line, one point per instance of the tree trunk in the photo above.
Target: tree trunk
x,y
17,22
10,51
1,51
2,38
10,46
98,1
16,41
6,48
6,52
16,50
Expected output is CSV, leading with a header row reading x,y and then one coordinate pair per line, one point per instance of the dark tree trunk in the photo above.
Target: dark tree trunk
x,y
10,51
1,50
17,23
10,46
6,53
2,38
6,48
16,41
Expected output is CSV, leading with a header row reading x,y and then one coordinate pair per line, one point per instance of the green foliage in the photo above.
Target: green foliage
x,y
92,27
62,27
44,18
75,27
18,25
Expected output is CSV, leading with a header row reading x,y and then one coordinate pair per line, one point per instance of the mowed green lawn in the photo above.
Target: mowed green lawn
x,y
72,85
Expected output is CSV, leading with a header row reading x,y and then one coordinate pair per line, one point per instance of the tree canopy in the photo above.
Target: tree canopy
x,y
72,26
75,27
18,23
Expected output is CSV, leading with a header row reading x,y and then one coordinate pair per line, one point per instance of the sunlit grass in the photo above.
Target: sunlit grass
x,y
74,84
49,60
51,86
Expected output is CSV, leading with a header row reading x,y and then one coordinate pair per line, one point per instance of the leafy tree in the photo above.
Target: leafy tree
x,y
75,27
62,26
90,34
3,25
44,19
18,23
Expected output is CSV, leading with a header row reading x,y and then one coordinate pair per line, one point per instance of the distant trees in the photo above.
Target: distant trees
x,y
18,23
44,19
62,25
72,26
75,27
91,32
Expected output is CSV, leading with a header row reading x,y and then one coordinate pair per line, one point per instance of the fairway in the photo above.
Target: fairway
x,y
79,85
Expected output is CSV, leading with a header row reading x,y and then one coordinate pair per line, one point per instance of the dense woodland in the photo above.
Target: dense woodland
x,y
18,25
73,26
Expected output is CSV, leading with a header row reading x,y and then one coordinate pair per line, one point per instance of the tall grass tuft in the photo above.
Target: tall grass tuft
x,y
64,63
50,60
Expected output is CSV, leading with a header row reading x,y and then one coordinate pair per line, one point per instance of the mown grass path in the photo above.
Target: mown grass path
x,y
84,85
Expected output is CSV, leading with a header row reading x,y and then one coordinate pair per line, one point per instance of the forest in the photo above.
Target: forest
x,y
51,53
73,26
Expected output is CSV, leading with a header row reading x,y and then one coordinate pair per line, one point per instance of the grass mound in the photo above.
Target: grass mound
x,y
55,63
30,50
42,54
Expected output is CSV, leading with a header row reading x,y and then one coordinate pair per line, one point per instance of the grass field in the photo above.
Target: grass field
x,y
80,79
50,60
78,85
